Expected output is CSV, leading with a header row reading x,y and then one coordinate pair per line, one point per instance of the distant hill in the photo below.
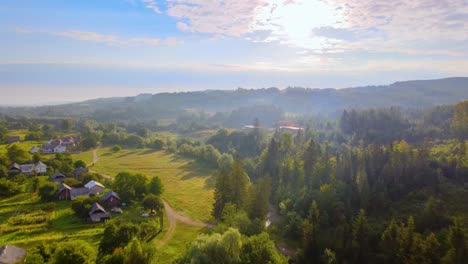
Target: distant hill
x,y
408,94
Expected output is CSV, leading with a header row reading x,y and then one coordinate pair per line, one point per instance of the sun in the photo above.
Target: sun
x,y
292,22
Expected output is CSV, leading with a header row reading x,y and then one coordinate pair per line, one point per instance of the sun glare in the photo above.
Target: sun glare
x,y
293,22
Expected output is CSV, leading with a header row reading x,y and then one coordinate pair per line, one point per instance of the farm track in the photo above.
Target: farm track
x,y
172,216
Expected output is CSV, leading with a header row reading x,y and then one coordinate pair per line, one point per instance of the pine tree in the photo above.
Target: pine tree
x,y
361,237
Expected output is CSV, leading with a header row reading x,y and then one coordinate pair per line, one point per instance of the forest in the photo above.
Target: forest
x,y
375,185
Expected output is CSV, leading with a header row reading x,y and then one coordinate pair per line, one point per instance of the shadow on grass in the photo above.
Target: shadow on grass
x,y
127,154
149,151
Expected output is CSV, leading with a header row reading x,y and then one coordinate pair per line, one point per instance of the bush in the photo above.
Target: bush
x,y
157,144
116,148
74,252
82,205
9,188
48,191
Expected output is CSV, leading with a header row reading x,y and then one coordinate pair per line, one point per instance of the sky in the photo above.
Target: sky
x,y
55,51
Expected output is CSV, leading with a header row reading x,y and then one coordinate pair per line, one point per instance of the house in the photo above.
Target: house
x,y
291,129
28,169
13,139
79,171
11,254
60,149
111,199
34,150
98,213
57,177
94,187
64,192
75,192
60,145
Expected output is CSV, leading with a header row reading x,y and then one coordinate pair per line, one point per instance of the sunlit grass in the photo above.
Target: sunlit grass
x,y
188,184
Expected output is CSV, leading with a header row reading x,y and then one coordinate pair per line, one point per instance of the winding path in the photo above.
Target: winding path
x,y
172,215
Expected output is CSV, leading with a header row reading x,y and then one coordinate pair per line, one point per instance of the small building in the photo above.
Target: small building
x,y
34,150
94,187
64,192
111,199
79,171
28,169
98,213
82,191
13,139
291,129
60,149
57,177
11,254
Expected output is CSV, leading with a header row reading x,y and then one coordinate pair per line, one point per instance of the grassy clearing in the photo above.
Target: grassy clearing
x,y
188,184
22,225
86,156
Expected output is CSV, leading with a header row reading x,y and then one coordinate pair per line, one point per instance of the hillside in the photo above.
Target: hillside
x,y
408,94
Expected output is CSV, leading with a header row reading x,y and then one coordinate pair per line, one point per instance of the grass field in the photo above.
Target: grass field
x,y
188,184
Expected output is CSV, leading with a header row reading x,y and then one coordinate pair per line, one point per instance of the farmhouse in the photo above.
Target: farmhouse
x,y
13,139
57,177
64,192
94,187
60,145
11,254
98,213
111,199
28,169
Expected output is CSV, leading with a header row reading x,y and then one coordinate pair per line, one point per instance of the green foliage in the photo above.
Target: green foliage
x,y
117,235
48,191
116,148
135,141
79,164
360,233
82,205
16,154
74,252
8,188
460,120
157,144
155,186
134,253
457,241
260,249
130,186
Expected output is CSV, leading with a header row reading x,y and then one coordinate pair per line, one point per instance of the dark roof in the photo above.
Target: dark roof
x,y
80,170
15,166
13,139
74,192
11,254
56,175
63,186
97,208
108,195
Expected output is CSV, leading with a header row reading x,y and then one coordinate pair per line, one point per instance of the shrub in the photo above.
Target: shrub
x,y
116,148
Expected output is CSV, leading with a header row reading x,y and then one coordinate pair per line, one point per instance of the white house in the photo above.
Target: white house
x,y
95,187
60,149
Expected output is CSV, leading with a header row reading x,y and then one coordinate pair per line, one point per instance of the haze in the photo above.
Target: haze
x,y
58,51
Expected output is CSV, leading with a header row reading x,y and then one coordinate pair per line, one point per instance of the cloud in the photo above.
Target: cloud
x,y
151,4
109,39
326,26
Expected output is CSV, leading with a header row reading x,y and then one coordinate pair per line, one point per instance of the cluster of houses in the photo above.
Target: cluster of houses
x,y
97,213
59,145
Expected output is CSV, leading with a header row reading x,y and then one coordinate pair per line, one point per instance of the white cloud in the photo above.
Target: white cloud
x,y
326,26
151,4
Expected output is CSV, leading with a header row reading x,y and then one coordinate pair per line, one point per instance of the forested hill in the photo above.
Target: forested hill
x,y
409,94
